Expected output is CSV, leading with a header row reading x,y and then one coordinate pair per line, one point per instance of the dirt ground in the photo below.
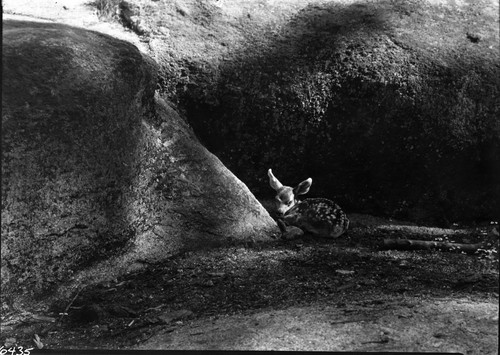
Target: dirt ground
x,y
304,294
350,294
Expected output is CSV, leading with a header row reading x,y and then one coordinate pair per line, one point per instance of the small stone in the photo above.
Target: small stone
x,y
163,30
182,10
473,37
168,317
10,342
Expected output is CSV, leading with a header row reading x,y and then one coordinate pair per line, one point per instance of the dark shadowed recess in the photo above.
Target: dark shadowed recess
x,y
367,101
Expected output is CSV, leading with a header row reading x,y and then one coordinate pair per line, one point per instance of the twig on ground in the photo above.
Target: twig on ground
x,y
64,313
409,244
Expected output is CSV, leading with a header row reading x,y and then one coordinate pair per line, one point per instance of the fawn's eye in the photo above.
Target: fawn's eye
x,y
289,202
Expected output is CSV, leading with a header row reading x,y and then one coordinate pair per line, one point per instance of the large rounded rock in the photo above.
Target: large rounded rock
x,y
391,108
98,174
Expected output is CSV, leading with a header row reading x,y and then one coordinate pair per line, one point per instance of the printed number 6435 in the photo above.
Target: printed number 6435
x,y
19,350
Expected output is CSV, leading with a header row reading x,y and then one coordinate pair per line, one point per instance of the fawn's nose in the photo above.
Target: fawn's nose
x,y
282,210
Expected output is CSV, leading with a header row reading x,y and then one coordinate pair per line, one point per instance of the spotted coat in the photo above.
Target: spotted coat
x,y
318,216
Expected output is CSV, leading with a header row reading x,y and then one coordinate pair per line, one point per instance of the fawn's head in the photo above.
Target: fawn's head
x,y
286,195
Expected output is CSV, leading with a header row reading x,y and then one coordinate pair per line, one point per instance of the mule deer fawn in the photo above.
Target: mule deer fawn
x,y
319,216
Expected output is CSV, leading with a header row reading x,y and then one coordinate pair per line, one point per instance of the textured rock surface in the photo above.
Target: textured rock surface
x,y
98,175
390,110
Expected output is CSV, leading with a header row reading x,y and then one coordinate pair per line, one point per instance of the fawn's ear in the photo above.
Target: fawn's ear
x,y
303,187
275,184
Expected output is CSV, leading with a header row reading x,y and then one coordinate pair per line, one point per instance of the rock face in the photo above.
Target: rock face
x,y
392,109
98,174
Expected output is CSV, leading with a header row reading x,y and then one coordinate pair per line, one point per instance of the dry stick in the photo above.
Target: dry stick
x,y
154,308
46,330
69,304
409,244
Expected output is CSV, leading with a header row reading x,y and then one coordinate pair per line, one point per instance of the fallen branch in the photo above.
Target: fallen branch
x,y
64,313
409,244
